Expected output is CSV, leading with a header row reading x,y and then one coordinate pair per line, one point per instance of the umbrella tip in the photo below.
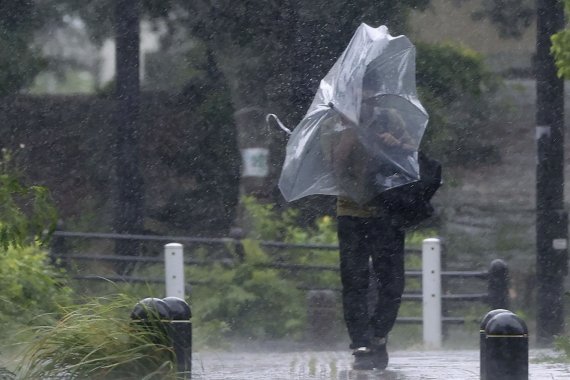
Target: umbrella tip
x,y
271,116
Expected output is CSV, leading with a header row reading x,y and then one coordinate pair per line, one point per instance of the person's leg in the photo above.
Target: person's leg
x,y
388,267
388,263
354,274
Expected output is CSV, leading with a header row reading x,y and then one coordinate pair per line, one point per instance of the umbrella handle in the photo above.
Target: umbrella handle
x,y
279,123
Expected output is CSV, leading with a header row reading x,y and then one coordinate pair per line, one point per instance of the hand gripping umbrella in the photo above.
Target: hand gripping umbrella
x,y
363,129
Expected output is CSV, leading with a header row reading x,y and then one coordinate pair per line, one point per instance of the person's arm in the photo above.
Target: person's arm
x,y
342,152
351,166
390,140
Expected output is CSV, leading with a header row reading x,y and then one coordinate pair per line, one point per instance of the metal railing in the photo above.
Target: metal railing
x,y
431,275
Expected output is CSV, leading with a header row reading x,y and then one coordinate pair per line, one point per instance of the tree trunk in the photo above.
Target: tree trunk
x,y
129,186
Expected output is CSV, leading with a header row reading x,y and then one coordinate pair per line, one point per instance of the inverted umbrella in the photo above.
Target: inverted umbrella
x,y
362,132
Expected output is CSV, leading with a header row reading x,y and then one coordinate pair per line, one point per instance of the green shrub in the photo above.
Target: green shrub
x,y
246,300
26,212
31,287
270,224
562,344
252,300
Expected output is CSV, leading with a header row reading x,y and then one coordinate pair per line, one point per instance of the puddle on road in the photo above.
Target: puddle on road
x,y
370,375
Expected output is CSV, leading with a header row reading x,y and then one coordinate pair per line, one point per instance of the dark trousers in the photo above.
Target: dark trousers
x,y
365,244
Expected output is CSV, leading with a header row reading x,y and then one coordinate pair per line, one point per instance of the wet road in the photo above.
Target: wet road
x,y
335,365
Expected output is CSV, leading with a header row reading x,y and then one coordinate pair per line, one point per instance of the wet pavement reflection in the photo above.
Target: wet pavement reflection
x,y
336,365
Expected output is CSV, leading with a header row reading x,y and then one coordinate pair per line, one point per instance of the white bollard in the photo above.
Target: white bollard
x,y
431,293
174,270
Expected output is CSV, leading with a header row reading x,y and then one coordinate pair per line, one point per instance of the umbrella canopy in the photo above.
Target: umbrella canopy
x,y
363,129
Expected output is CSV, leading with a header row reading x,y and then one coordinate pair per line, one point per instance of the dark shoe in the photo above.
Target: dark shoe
x,y
380,353
363,359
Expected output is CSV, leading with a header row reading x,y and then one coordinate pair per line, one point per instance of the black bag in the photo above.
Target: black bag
x,y
410,204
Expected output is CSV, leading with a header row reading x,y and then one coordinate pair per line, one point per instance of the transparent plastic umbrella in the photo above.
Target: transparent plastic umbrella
x,y
362,132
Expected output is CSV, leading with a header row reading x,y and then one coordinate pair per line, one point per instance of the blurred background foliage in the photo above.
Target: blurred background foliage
x,y
21,61
268,52
211,58
27,212
457,91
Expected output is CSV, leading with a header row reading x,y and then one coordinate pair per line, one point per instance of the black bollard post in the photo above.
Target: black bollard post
x,y
482,337
150,313
58,248
168,320
150,309
180,334
506,348
237,234
321,316
498,291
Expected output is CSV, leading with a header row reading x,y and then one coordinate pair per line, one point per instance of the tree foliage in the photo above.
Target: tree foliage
x,y
20,61
561,48
273,54
98,15
31,289
21,58
455,87
277,53
510,17
207,152
30,286
26,212
286,46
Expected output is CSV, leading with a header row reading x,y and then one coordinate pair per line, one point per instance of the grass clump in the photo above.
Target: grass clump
x,y
97,340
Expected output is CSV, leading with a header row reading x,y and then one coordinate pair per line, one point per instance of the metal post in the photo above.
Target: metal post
x,y
180,334
149,315
551,218
483,340
168,321
321,317
498,287
174,270
58,248
431,289
506,354
238,234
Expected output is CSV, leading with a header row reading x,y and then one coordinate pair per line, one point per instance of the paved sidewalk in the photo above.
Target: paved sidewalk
x,y
335,365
